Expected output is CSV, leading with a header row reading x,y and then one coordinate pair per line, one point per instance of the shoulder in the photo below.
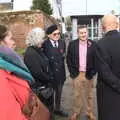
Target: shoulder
x,y
92,41
61,41
73,42
102,42
46,42
29,52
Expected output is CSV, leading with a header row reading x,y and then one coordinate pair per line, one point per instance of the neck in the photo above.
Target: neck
x,y
83,40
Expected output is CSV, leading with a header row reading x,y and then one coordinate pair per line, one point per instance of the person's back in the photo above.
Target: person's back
x,y
107,64
110,45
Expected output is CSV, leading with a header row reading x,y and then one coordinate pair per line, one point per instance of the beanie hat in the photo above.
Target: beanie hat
x,y
51,29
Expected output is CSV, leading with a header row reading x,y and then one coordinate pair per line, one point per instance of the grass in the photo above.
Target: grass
x,y
59,118
20,51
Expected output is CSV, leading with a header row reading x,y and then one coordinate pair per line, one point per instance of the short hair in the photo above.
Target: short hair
x,y
35,36
3,32
81,27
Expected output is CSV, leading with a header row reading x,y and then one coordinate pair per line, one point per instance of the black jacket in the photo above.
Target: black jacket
x,y
56,58
38,65
73,58
107,58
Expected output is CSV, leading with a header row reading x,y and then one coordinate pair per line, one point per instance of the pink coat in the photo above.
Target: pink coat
x,y
14,93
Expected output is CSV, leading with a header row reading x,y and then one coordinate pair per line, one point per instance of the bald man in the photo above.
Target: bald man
x,y
106,53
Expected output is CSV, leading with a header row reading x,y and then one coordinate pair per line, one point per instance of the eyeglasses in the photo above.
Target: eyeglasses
x,y
54,34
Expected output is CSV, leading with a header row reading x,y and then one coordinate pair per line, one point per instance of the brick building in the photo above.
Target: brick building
x,y
21,22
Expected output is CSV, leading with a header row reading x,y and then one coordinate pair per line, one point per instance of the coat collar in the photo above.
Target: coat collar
x,y
109,33
89,42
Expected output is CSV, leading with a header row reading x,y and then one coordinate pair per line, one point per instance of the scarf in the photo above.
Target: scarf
x,y
11,61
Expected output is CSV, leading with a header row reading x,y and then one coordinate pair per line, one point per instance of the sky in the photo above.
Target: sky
x,y
75,7
81,7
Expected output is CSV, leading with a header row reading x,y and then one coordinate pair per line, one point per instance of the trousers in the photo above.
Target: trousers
x,y
57,97
83,95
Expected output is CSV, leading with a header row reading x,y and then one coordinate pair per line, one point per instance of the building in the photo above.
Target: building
x,y
90,13
21,22
92,21
6,5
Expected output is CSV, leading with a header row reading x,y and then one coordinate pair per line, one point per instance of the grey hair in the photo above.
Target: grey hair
x,y
35,36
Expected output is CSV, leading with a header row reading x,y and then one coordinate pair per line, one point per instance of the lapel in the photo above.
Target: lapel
x,y
50,44
77,49
76,52
89,43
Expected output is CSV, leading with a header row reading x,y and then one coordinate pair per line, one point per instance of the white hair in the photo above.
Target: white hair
x,y
35,36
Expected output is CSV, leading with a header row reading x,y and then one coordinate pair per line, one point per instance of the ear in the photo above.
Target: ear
x,y
103,28
49,35
117,26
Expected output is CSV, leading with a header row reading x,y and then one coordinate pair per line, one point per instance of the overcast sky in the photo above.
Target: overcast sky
x,y
90,6
75,7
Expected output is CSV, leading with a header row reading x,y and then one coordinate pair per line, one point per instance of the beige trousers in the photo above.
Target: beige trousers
x,y
83,95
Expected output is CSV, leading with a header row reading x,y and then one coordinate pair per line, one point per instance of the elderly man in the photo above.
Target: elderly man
x,y
54,48
107,56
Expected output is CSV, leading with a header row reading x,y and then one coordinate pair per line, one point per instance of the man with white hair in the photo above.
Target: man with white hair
x,y
107,57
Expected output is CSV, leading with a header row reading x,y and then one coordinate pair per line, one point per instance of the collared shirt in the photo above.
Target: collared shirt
x,y
82,55
53,44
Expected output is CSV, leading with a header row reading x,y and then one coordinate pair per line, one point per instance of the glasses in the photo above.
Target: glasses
x,y
54,34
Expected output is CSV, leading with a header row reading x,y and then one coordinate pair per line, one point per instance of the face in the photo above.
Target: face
x,y
39,45
55,35
8,41
83,34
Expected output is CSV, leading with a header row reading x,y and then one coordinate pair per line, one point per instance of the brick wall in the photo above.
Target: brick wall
x,y
20,23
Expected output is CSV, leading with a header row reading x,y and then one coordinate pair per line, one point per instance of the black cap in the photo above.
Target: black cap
x,y
51,29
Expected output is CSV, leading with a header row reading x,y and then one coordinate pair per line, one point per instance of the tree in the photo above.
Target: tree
x,y
43,5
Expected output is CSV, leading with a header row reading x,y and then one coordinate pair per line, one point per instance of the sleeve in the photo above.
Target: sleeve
x,y
104,70
69,58
90,67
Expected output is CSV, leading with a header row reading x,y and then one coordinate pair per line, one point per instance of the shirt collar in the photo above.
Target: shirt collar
x,y
83,42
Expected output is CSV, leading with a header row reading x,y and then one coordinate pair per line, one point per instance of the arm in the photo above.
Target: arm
x,y
69,60
104,70
90,67
34,65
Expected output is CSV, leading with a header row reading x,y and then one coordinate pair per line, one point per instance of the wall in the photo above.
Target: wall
x,y
21,22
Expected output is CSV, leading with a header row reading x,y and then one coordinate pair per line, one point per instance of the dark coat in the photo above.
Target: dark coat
x,y
56,58
73,58
38,65
107,57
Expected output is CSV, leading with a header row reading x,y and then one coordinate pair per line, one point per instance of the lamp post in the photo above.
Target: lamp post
x,y
59,6
86,7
